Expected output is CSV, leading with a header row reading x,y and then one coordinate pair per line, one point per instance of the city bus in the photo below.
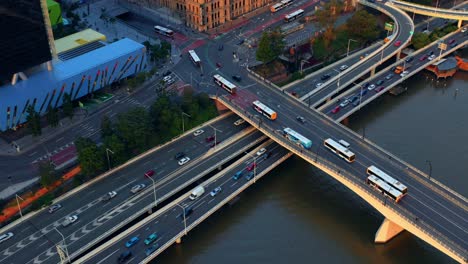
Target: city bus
x,y
194,58
164,31
294,15
339,150
373,170
228,86
297,138
384,188
280,5
264,110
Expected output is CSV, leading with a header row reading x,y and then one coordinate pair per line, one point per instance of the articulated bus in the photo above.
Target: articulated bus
x,y
280,5
373,170
264,110
297,138
384,188
164,31
340,150
194,57
294,15
228,86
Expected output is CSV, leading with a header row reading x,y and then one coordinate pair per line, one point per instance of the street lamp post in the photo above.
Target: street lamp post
x,y
339,78
154,191
215,139
185,221
349,42
302,64
65,244
183,125
108,160
430,168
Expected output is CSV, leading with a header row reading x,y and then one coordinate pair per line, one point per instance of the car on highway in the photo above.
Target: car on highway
x,y
336,109
379,82
301,119
366,85
251,166
215,143
198,132
239,122
378,89
423,57
237,78
397,43
363,92
184,160
343,67
344,103
453,44
261,151
132,241
464,30
167,78
137,188
149,173
356,103
354,98
126,255
151,238
151,249
249,176
409,59
318,85
179,155
54,208
325,76
404,73
109,196
431,57
209,138
187,211
216,190
237,175
5,237
371,87
389,76
431,53
451,41
218,65
69,220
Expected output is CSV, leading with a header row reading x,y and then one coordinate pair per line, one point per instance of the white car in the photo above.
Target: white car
x,y
431,57
404,73
238,122
344,103
109,196
198,132
343,67
5,237
184,160
137,188
69,220
261,151
167,78
464,30
318,85
371,87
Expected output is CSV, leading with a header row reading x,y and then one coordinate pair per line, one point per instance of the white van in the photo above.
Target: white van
x,y
5,237
197,192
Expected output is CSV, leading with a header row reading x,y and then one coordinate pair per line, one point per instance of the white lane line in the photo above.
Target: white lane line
x,y
108,256
32,154
59,139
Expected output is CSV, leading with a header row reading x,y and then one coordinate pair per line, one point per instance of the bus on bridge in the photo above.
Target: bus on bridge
x,y
297,138
373,170
264,110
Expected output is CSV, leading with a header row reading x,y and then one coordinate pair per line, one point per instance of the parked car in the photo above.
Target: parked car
x,y
149,173
5,237
184,160
198,132
137,188
210,138
301,119
151,238
237,175
239,122
397,43
336,109
126,255
54,208
132,241
151,249
216,190
109,196
261,151
167,78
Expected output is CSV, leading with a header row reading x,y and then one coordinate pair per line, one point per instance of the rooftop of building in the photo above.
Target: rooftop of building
x,y
78,39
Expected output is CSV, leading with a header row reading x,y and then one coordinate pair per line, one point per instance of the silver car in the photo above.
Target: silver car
x,y
137,188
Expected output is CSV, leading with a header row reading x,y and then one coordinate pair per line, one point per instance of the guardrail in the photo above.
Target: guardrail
x,y
349,179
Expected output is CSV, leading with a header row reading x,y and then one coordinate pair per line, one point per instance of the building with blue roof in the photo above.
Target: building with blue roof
x,y
77,77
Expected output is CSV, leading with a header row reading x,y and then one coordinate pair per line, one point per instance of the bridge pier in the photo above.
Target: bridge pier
x,y
372,72
387,231
459,23
398,55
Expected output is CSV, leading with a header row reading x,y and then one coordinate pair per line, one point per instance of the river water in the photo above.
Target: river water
x,y
297,214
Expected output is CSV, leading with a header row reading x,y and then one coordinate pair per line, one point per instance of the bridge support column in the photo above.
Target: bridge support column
x,y
398,55
387,231
372,72
179,240
459,23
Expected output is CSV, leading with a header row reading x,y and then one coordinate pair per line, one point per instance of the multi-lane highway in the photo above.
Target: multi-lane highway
x,y
168,222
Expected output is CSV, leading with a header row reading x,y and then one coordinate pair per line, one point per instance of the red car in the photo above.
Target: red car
x,y
423,57
378,89
397,43
251,166
210,138
149,173
336,109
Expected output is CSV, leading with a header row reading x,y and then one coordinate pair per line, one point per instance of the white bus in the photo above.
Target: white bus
x,y
164,31
373,170
384,188
228,86
194,57
264,110
297,138
339,149
294,15
280,5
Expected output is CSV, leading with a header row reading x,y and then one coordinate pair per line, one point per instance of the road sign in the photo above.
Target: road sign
x,y
411,33
442,46
389,26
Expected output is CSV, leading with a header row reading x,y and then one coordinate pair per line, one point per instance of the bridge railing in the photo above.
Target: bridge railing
x,y
350,178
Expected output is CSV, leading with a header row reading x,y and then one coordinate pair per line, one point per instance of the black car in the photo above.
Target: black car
x,y
167,73
393,69
124,256
325,76
431,53
409,59
179,155
237,78
379,82
366,85
241,42
301,119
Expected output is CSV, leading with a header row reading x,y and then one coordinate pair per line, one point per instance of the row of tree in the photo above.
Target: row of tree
x,y
421,39
138,130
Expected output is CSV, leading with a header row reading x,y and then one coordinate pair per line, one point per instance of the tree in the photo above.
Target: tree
x,y
52,116
34,121
362,26
277,43
265,53
420,40
134,128
106,127
67,106
47,174
326,19
115,144
90,156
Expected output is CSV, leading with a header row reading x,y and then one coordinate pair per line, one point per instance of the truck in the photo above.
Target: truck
x,y
399,69
197,192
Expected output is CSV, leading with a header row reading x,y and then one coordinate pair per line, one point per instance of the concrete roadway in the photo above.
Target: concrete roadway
x,y
37,234
443,211
167,225
369,94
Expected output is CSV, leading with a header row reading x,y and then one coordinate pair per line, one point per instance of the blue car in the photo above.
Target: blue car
x,y
249,176
151,249
237,175
132,241
363,92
